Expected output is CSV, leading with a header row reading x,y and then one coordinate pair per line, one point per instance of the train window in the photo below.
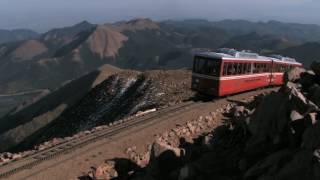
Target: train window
x,y
278,68
231,69
199,65
255,68
275,68
260,68
225,69
234,69
244,66
212,68
239,68
267,68
264,67
248,68
206,66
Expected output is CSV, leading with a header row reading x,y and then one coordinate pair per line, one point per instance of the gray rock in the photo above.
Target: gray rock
x,y
164,158
263,167
307,79
293,75
302,104
314,94
238,111
207,140
315,66
311,137
295,116
269,119
187,172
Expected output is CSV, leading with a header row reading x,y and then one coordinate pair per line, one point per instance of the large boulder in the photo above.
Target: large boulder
x,y
311,137
164,158
300,102
269,119
286,164
314,94
188,172
307,79
104,172
293,75
315,66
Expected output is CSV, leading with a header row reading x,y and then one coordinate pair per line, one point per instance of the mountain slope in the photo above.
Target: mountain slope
x,y
104,42
305,53
299,33
67,53
16,35
24,121
28,50
258,43
64,112
59,37
135,25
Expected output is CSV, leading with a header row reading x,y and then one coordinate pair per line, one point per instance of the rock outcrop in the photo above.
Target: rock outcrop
x,y
272,136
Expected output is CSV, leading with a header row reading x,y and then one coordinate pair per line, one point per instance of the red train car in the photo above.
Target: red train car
x,y
229,71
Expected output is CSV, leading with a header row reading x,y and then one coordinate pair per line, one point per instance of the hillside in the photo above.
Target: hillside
x,y
56,38
258,43
305,53
63,54
66,53
35,114
16,35
135,25
298,33
79,105
28,50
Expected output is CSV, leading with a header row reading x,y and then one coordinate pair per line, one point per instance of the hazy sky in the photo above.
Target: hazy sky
x,y
44,14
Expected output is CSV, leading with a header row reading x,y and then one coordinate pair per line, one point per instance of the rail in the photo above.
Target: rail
x,y
68,146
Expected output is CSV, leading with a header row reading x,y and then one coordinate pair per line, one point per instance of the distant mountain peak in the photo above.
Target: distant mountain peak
x,y
83,23
136,25
66,34
105,42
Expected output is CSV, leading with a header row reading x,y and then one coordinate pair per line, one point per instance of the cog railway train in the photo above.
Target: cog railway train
x,y
228,71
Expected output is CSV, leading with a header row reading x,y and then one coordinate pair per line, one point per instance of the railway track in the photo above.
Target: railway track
x,y
37,158
146,120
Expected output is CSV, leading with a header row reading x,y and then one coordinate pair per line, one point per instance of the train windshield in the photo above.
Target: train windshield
x,y
206,66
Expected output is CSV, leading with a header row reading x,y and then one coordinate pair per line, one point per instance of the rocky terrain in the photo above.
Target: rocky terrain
x,y
37,112
119,95
65,61
271,136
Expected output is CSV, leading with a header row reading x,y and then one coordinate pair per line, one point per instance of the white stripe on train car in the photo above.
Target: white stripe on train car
x,y
234,77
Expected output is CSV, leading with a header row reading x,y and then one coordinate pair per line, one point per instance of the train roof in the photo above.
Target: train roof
x,y
232,54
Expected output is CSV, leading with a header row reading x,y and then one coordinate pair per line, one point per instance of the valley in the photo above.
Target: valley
x,y
10,101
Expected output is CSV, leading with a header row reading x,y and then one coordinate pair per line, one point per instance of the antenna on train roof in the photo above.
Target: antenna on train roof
x,y
283,58
228,51
238,54
244,54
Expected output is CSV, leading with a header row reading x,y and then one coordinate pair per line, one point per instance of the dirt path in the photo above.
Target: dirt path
x,y
78,162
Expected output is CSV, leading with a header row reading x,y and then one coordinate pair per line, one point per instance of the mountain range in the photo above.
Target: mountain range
x,y
50,60
63,70
16,35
